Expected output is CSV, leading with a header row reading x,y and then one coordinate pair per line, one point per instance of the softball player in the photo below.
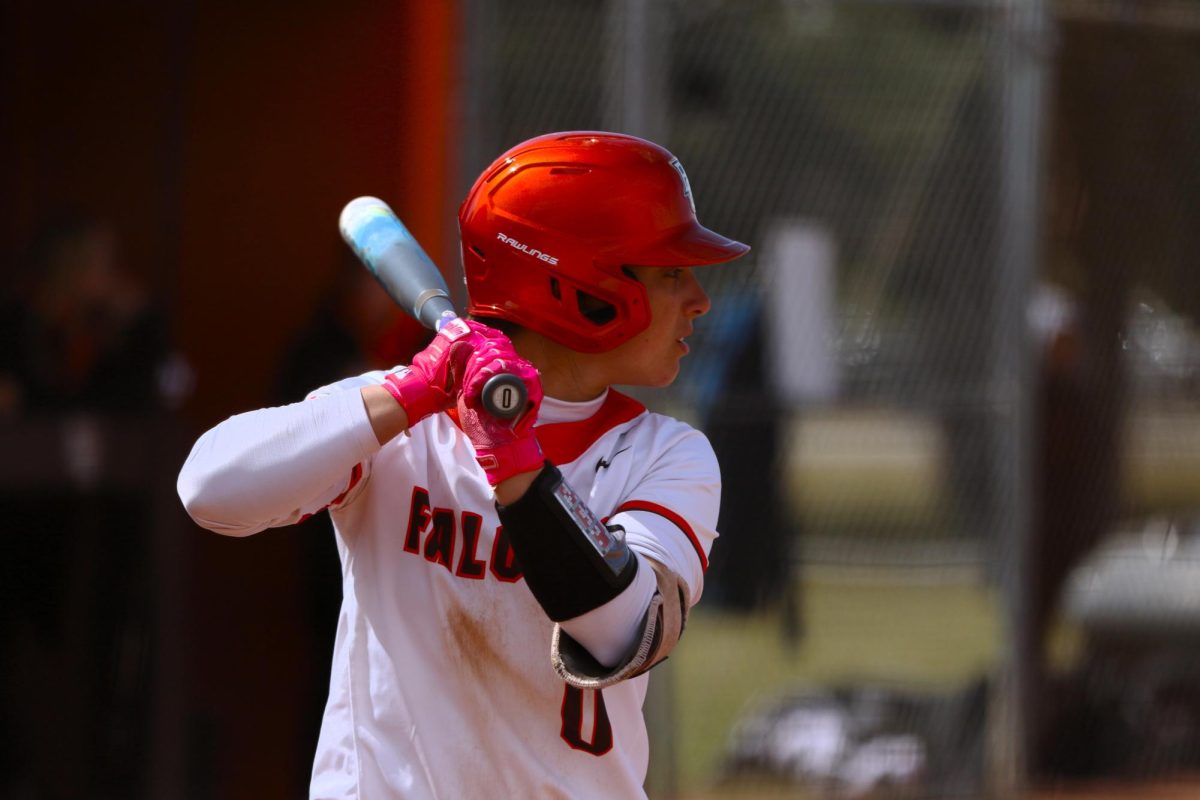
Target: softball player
x,y
507,584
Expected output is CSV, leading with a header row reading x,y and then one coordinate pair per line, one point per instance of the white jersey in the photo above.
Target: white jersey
x,y
442,685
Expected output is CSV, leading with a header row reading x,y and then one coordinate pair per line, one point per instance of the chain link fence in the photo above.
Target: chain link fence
x,y
873,374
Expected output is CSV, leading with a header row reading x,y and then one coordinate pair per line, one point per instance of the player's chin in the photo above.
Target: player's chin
x,y
665,377
657,379
652,373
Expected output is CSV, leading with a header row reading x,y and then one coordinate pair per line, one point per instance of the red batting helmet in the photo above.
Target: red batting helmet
x,y
547,228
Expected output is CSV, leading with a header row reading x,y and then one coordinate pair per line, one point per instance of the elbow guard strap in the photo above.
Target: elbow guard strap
x,y
572,562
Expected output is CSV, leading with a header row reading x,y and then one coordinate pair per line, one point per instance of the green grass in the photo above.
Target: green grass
x,y
923,635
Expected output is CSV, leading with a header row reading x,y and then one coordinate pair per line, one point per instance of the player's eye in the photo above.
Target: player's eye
x,y
673,274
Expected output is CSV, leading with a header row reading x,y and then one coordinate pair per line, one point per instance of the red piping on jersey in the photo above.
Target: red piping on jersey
x,y
563,442
655,508
355,477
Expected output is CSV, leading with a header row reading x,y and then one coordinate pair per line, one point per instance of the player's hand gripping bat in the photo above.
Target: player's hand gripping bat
x,y
410,278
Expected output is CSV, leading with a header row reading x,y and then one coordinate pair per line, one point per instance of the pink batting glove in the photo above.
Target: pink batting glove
x,y
431,383
503,447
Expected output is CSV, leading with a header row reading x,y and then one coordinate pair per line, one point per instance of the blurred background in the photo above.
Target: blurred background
x,y
955,388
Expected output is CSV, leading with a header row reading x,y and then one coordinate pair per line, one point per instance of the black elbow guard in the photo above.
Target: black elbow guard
x,y
572,562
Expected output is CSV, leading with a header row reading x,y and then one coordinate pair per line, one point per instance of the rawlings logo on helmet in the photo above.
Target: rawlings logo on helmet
x,y
687,185
524,248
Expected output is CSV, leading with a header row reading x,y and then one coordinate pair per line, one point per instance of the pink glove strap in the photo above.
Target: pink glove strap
x,y
503,461
415,396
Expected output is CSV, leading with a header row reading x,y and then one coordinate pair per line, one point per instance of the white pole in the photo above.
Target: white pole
x,y
1024,45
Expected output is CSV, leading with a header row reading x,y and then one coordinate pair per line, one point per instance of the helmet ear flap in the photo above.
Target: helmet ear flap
x,y
591,307
600,312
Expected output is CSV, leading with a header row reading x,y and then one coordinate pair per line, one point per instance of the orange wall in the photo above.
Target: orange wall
x,y
223,138
293,113
85,113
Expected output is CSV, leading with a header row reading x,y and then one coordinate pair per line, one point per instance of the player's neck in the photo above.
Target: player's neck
x,y
566,374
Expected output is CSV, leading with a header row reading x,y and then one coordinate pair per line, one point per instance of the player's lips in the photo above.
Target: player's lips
x,y
680,341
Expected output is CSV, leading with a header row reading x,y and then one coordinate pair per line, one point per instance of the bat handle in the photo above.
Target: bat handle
x,y
504,395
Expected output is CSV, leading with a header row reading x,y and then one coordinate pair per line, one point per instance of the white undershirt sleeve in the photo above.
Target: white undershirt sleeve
x,y
269,467
610,631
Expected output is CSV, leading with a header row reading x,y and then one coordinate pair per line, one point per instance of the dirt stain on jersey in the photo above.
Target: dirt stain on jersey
x,y
473,645
473,641
476,643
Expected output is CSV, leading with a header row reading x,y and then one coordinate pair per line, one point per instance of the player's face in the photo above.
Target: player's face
x,y
652,357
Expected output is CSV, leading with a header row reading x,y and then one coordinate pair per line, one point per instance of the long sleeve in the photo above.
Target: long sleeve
x,y
667,505
272,466
610,631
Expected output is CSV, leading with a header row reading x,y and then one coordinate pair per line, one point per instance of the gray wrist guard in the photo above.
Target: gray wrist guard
x,y
571,561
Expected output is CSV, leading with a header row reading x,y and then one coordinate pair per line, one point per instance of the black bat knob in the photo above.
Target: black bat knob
x,y
504,396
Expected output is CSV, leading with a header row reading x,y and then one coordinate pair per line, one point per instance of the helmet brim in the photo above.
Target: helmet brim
x,y
695,246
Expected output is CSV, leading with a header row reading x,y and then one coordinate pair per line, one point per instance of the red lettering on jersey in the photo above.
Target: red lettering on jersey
x,y
438,529
468,565
439,545
573,713
504,559
418,519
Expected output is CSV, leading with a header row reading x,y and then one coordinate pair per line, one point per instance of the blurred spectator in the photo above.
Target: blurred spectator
x,y
1073,485
745,425
80,332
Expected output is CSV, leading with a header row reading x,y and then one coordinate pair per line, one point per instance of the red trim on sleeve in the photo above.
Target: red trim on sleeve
x,y
355,477
666,513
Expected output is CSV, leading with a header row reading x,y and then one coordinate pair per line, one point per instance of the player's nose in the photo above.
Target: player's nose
x,y
696,303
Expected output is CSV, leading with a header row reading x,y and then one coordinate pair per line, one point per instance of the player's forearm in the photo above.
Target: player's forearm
x,y
388,418
610,631
262,468
510,490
